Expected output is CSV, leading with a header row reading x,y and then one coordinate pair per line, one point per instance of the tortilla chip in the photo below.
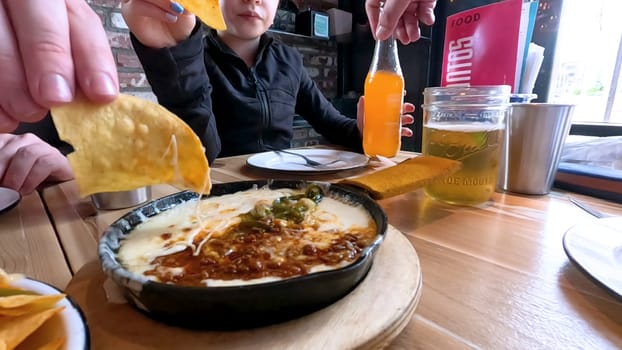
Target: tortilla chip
x,y
14,301
8,291
50,336
130,143
13,330
405,177
54,344
208,12
21,304
7,278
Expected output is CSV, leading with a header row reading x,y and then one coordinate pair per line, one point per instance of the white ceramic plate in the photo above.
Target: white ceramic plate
x,y
280,161
8,199
71,324
596,247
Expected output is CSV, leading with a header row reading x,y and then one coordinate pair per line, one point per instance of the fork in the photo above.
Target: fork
x,y
587,208
310,162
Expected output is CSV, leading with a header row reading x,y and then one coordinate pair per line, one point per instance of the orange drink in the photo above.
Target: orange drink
x,y
383,109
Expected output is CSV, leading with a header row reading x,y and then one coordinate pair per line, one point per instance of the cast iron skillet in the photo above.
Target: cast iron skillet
x,y
242,306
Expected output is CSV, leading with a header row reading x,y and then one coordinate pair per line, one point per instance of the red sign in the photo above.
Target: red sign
x,y
481,45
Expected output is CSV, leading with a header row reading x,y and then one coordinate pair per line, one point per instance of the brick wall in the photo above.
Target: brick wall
x,y
320,58
131,76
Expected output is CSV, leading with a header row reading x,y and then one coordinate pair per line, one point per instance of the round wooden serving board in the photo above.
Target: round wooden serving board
x,y
368,318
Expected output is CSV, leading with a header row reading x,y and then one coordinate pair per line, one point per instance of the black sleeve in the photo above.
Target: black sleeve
x,y
323,116
179,79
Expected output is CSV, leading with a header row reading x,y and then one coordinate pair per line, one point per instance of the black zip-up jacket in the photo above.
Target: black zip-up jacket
x,y
235,109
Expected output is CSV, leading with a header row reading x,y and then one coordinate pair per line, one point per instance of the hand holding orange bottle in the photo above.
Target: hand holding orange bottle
x,y
383,92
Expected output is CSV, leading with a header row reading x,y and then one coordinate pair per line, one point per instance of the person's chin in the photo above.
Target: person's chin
x,y
250,34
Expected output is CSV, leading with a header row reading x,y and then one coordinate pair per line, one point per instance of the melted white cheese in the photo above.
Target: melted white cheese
x,y
181,225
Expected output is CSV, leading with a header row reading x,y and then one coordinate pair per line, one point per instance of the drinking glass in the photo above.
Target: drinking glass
x,y
465,124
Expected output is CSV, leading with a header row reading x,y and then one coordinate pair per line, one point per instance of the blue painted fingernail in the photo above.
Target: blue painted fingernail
x,y
177,7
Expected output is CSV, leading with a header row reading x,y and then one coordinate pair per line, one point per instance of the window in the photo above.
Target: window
x,y
587,60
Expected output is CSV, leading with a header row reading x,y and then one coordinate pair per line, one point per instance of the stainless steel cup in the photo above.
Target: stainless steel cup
x,y
522,98
535,135
122,199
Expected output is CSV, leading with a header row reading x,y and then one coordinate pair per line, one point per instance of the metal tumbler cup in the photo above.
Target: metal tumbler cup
x,y
535,137
121,199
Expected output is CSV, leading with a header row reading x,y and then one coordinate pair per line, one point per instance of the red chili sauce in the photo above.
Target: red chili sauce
x,y
249,252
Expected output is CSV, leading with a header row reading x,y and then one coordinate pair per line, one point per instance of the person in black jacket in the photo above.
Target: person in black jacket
x,y
238,89
51,51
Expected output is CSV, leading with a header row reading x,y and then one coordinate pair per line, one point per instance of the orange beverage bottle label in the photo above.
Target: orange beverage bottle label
x,y
383,110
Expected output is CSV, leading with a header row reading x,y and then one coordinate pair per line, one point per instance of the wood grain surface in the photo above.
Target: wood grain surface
x,y
28,243
367,318
494,276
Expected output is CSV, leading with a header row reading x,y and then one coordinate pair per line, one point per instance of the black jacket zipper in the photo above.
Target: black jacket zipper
x,y
262,96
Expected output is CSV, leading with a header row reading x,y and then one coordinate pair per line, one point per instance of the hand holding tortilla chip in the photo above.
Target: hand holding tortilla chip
x,y
130,143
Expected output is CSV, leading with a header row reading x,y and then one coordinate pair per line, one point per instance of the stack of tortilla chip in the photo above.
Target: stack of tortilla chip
x,y
23,314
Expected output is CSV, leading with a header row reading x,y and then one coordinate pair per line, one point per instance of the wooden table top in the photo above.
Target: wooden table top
x,y
494,277
28,243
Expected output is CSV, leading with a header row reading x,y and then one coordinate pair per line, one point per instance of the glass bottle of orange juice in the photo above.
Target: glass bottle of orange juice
x,y
384,87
